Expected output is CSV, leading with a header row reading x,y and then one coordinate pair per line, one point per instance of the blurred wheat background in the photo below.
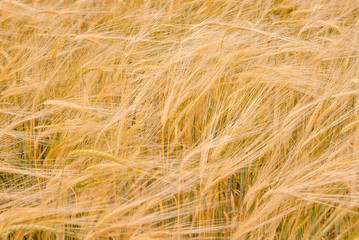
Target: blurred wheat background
x,y
179,119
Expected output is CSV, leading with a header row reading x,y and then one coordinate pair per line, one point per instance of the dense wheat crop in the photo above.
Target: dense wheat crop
x,y
179,119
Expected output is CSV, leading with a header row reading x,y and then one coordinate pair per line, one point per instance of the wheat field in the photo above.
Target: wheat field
x,y
179,119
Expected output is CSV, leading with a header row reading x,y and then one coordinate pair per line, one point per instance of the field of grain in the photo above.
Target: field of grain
x,y
179,119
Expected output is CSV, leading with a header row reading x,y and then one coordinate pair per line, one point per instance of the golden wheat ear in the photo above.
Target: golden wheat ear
x,y
93,153
28,227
